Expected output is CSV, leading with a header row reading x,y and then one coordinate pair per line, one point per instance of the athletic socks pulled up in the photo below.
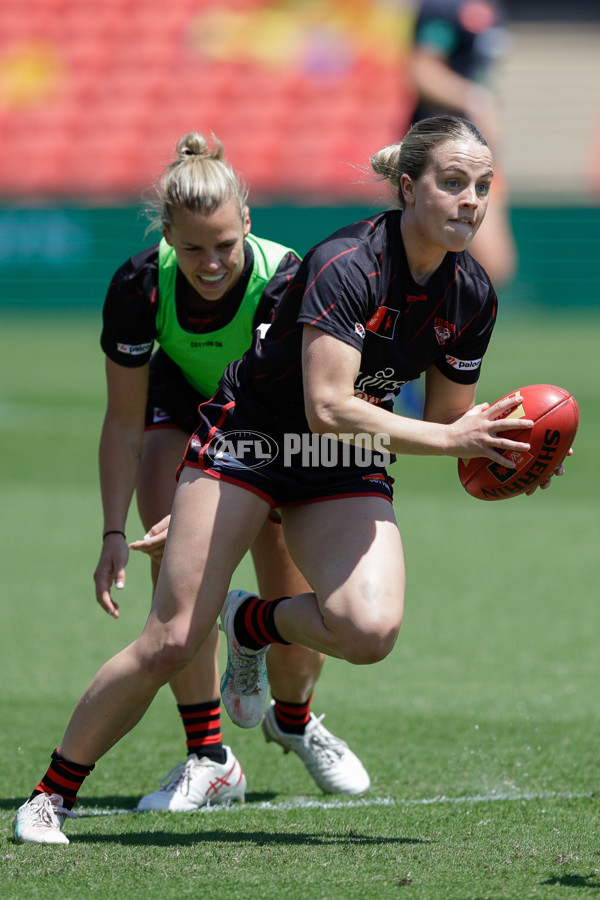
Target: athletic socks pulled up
x,y
63,778
202,724
254,623
292,717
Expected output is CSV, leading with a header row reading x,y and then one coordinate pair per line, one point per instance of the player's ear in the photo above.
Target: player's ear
x,y
166,235
246,223
407,189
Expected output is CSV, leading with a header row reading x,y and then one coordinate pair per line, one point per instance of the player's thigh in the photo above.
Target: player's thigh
x,y
162,452
212,526
350,551
276,572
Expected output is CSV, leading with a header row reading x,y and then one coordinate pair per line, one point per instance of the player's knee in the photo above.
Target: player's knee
x,y
370,647
375,624
169,658
371,639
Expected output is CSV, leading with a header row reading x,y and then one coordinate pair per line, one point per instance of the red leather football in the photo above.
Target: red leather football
x,y
556,416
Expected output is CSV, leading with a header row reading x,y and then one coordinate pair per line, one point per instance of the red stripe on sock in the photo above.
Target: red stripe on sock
x,y
203,729
292,715
262,621
248,625
67,783
205,741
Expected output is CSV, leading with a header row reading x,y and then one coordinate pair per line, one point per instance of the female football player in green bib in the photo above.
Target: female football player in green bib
x,y
200,294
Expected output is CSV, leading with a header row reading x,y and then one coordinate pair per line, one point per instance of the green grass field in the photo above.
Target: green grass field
x,y
480,731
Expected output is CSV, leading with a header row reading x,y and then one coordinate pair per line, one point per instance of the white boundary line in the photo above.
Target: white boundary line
x,y
359,803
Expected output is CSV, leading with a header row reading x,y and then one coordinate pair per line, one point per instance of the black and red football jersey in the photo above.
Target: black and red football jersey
x,y
357,286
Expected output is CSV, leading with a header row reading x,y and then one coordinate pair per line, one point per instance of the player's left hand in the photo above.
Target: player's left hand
x,y
560,470
110,571
153,543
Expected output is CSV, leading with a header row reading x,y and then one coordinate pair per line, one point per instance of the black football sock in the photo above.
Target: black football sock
x,y
63,778
254,623
202,723
292,717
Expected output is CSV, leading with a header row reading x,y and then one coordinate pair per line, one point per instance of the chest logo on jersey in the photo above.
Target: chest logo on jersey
x,y
444,331
195,345
383,323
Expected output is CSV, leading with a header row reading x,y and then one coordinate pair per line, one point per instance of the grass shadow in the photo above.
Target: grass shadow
x,y
258,838
575,881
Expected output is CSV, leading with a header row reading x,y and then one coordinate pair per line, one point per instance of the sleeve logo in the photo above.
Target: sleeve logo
x,y
463,365
383,323
134,349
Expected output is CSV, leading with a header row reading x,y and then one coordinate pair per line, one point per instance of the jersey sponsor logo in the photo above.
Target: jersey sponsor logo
x,y
444,331
134,349
359,329
463,364
416,298
382,382
383,322
368,398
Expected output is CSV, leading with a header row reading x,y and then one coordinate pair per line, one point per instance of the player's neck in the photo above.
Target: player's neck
x,y
422,260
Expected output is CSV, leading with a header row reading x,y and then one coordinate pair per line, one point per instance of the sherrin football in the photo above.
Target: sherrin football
x,y
555,416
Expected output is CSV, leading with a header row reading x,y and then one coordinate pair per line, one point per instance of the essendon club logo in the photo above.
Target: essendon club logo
x,y
444,331
383,323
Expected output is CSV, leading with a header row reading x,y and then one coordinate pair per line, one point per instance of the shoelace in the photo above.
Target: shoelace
x,y
51,813
178,774
323,742
247,673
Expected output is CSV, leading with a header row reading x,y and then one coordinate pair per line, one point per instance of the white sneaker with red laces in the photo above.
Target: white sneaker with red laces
x,y
198,782
330,761
40,820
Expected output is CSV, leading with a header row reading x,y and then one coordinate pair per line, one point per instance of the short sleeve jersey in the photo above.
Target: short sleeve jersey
x,y
469,35
131,305
357,287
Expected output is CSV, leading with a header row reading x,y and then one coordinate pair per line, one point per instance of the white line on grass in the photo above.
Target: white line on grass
x,y
360,803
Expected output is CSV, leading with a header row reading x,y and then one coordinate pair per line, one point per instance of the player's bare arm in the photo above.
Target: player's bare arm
x,y
120,451
330,369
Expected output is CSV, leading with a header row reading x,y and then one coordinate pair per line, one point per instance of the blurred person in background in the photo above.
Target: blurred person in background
x,y
200,293
455,47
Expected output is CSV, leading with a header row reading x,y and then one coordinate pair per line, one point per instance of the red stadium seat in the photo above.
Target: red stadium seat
x,y
131,76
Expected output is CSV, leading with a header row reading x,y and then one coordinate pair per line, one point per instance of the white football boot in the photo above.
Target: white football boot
x,y
40,820
244,686
196,783
334,767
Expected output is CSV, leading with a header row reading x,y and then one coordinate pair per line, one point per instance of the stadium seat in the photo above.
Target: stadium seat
x,y
131,79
